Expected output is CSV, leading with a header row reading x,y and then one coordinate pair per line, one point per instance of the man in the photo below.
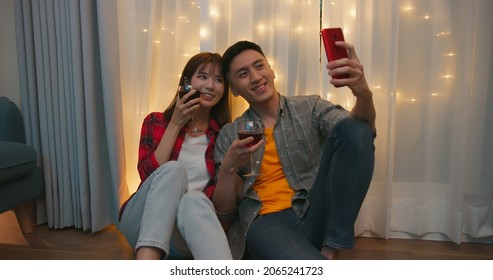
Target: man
x,y
315,163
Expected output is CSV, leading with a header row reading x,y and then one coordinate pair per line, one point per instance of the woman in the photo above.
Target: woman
x,y
171,214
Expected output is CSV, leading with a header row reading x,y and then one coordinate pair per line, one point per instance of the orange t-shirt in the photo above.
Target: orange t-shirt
x,y
271,186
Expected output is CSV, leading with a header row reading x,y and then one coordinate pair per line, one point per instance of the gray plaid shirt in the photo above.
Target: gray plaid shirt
x,y
300,133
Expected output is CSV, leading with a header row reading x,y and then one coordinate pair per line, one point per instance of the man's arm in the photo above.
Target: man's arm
x,y
229,186
364,109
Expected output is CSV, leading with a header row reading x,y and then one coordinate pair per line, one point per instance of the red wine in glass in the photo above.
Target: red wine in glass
x,y
255,129
184,89
257,136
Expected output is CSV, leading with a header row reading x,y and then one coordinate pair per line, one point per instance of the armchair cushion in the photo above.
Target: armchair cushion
x,y
20,179
11,123
17,160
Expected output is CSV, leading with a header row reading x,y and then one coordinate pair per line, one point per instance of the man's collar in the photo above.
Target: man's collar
x,y
251,114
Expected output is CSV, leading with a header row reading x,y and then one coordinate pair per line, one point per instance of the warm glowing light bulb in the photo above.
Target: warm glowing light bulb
x,y
407,9
261,27
213,13
204,32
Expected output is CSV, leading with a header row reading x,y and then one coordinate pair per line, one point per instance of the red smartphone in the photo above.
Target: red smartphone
x,y
329,37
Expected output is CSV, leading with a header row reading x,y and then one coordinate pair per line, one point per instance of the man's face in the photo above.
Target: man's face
x,y
251,77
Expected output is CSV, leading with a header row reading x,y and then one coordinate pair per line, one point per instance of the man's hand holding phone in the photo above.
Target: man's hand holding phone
x,y
330,36
343,64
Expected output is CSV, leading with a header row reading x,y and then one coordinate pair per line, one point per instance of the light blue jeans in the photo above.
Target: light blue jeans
x,y
165,215
344,176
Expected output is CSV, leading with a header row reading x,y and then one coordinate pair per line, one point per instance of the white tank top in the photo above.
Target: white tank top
x,y
192,156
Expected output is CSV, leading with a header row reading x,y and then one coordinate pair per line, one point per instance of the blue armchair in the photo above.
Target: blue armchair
x,y
20,179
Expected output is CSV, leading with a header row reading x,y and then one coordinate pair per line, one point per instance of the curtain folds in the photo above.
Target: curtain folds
x,y
74,109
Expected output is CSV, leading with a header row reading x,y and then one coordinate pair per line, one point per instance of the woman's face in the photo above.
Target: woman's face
x,y
209,81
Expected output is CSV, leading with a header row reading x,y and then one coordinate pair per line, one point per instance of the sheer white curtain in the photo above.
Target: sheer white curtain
x,y
428,63
157,37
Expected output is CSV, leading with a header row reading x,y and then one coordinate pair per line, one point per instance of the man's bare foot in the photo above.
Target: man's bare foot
x,y
330,253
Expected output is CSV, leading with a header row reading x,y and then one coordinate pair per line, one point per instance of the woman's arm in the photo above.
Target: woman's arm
x,y
181,116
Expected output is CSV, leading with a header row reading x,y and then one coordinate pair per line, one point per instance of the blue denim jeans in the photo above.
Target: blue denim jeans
x,y
345,173
182,223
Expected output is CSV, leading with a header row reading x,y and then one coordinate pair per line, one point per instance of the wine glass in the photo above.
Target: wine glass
x,y
255,129
184,89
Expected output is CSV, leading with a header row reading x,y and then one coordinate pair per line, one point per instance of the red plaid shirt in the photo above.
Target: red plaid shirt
x,y
152,131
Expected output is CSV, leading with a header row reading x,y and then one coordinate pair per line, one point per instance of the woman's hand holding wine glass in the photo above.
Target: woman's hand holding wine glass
x,y
183,110
186,91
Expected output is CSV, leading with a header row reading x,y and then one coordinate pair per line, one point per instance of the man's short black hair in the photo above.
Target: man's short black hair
x,y
235,50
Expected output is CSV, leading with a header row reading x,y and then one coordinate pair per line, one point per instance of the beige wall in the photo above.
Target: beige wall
x,y
9,77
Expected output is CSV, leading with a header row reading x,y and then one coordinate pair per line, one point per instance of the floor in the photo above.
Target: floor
x,y
64,244
109,244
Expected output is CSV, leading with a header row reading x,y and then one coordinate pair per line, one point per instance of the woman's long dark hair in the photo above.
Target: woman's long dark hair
x,y
220,112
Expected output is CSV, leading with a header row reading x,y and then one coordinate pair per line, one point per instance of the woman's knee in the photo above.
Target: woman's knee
x,y
172,168
171,173
169,180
